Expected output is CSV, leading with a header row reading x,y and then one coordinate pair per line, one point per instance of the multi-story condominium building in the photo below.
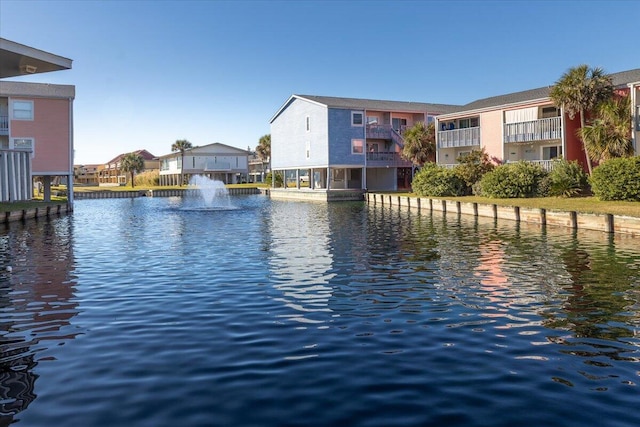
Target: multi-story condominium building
x,y
216,161
36,124
345,143
522,126
112,175
86,174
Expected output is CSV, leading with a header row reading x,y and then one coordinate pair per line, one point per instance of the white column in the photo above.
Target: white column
x,y
12,176
25,176
19,195
4,178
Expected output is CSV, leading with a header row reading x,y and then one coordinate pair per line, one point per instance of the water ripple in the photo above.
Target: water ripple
x,y
141,312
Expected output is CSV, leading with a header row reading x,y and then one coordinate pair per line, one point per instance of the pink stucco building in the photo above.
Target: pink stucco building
x,y
523,126
36,124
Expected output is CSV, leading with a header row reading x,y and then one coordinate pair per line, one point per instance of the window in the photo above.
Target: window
x,y
337,174
551,152
23,110
356,118
357,146
472,122
638,117
24,144
308,123
307,150
399,124
549,112
372,120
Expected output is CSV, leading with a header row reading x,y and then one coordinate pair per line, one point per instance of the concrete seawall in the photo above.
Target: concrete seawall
x,y
575,220
39,212
63,208
177,192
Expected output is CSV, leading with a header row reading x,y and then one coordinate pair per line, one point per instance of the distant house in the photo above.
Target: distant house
x,y
36,124
216,161
86,174
345,143
522,126
111,174
258,168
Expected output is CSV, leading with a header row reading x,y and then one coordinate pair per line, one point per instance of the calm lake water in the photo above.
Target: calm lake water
x,y
157,312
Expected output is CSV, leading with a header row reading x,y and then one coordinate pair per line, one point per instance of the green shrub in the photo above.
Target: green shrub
x,y
472,168
566,179
436,181
617,179
279,180
514,180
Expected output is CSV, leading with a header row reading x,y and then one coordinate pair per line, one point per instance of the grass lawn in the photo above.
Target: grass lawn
x,y
578,204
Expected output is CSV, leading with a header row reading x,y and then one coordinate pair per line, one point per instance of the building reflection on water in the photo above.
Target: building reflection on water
x,y
37,303
301,261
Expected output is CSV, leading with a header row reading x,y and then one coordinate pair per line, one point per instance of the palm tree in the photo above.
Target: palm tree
x,y
420,143
609,135
579,91
264,148
132,163
181,145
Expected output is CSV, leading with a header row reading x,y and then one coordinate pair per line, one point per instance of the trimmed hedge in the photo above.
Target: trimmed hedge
x,y
436,181
566,179
617,179
472,168
514,180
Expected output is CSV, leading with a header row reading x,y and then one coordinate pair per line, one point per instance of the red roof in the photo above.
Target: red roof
x,y
142,153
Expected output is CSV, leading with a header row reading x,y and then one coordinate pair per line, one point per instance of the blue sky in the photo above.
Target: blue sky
x,y
150,72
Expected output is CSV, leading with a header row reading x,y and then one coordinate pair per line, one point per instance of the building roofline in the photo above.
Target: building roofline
x,y
17,60
174,153
367,104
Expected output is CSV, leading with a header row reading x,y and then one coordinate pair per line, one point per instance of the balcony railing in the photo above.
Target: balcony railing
x,y
386,158
448,165
397,138
546,164
467,137
379,131
4,125
534,130
217,166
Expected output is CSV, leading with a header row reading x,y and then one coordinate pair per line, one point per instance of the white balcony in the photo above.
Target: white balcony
x,y
534,130
217,167
546,164
467,137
